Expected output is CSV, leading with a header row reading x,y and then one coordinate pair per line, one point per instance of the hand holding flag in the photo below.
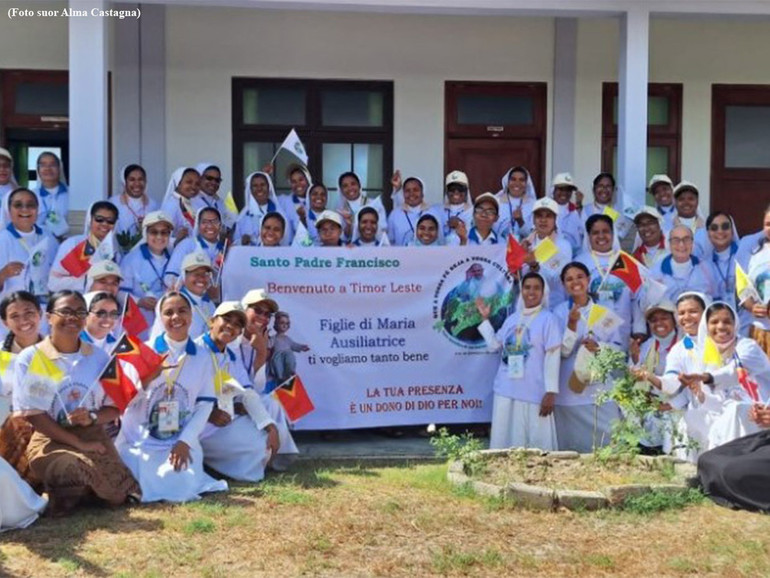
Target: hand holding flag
x,y
545,250
294,146
744,288
515,254
78,261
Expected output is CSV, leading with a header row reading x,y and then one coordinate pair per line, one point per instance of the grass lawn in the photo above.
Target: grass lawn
x,y
383,521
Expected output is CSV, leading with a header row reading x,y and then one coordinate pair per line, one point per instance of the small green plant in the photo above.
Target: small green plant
x,y
655,501
464,448
200,526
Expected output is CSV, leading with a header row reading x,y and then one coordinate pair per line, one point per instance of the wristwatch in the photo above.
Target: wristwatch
x,y
93,416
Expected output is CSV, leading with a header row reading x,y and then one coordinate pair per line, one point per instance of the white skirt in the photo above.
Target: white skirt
x,y
19,504
237,450
159,481
275,409
518,424
581,427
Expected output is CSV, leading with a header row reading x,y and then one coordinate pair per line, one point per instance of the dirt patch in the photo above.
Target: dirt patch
x,y
585,473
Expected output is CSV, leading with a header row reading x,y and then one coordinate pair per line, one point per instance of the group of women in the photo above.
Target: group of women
x,y
204,405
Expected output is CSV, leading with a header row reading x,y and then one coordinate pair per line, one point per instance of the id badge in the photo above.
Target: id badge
x,y
516,366
227,403
605,296
168,416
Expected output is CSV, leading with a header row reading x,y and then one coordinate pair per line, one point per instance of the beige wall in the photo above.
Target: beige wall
x,y
418,53
34,42
696,53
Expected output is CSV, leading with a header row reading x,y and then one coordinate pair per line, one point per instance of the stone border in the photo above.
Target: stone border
x,y
545,498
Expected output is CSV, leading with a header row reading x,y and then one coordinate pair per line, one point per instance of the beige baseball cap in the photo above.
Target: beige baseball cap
x,y
104,269
658,179
329,215
564,180
259,296
457,177
546,203
685,186
155,217
230,307
665,305
650,212
6,153
196,260
487,197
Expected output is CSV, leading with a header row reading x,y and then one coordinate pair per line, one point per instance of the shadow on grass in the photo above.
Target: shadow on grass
x,y
58,540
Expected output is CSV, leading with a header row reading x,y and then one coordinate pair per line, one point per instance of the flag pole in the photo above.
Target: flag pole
x,y
222,266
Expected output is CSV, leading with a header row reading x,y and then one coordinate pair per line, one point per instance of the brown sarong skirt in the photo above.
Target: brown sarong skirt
x,y
762,338
66,471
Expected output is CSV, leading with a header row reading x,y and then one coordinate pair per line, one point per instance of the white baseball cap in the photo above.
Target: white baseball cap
x,y
658,179
564,180
650,212
685,186
457,177
230,307
103,269
196,260
155,217
329,215
546,203
258,296
487,197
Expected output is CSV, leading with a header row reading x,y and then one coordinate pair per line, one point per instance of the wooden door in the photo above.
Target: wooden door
x,y
740,153
493,126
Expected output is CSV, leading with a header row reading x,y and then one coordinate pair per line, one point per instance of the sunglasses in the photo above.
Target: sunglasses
x,y
485,212
102,314
159,232
101,220
717,226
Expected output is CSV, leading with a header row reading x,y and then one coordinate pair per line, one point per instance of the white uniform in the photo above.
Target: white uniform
x,y
145,275
693,275
36,250
239,449
54,209
402,222
530,340
146,438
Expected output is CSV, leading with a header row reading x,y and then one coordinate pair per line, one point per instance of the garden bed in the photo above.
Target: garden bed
x,y
548,480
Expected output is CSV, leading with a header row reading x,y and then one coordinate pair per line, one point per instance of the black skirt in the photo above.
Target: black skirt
x,y
737,474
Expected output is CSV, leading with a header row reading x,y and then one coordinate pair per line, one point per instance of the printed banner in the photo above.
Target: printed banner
x,y
381,336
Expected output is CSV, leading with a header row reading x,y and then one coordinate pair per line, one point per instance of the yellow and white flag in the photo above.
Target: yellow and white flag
x,y
611,213
603,321
711,355
41,382
545,250
744,288
230,203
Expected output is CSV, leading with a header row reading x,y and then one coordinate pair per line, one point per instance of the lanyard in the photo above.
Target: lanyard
x,y
408,220
171,379
726,275
521,328
218,381
252,357
599,267
148,257
140,215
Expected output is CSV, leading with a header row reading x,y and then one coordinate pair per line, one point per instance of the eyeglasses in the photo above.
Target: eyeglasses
x,y
717,226
71,313
213,179
101,220
680,240
102,314
21,206
485,212
159,232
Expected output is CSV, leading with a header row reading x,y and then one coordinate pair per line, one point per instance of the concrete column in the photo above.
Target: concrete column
x,y
564,80
152,96
87,104
632,104
126,121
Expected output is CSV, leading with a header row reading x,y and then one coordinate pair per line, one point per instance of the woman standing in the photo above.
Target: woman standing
x,y
261,201
207,238
26,251
146,266
103,216
352,199
58,391
133,205
581,425
515,200
759,274
178,203
402,221
527,379
54,196
160,436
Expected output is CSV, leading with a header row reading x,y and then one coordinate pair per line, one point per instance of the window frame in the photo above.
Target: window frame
x,y
313,133
669,136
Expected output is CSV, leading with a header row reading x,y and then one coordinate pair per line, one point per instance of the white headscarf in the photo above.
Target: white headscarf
x,y
440,231
529,191
423,205
251,206
157,326
89,216
6,209
703,332
62,175
173,183
197,224
736,238
587,238
544,302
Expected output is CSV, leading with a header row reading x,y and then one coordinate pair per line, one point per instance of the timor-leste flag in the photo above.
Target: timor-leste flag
x,y
121,382
78,261
749,385
293,396
514,254
628,270
131,350
133,321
